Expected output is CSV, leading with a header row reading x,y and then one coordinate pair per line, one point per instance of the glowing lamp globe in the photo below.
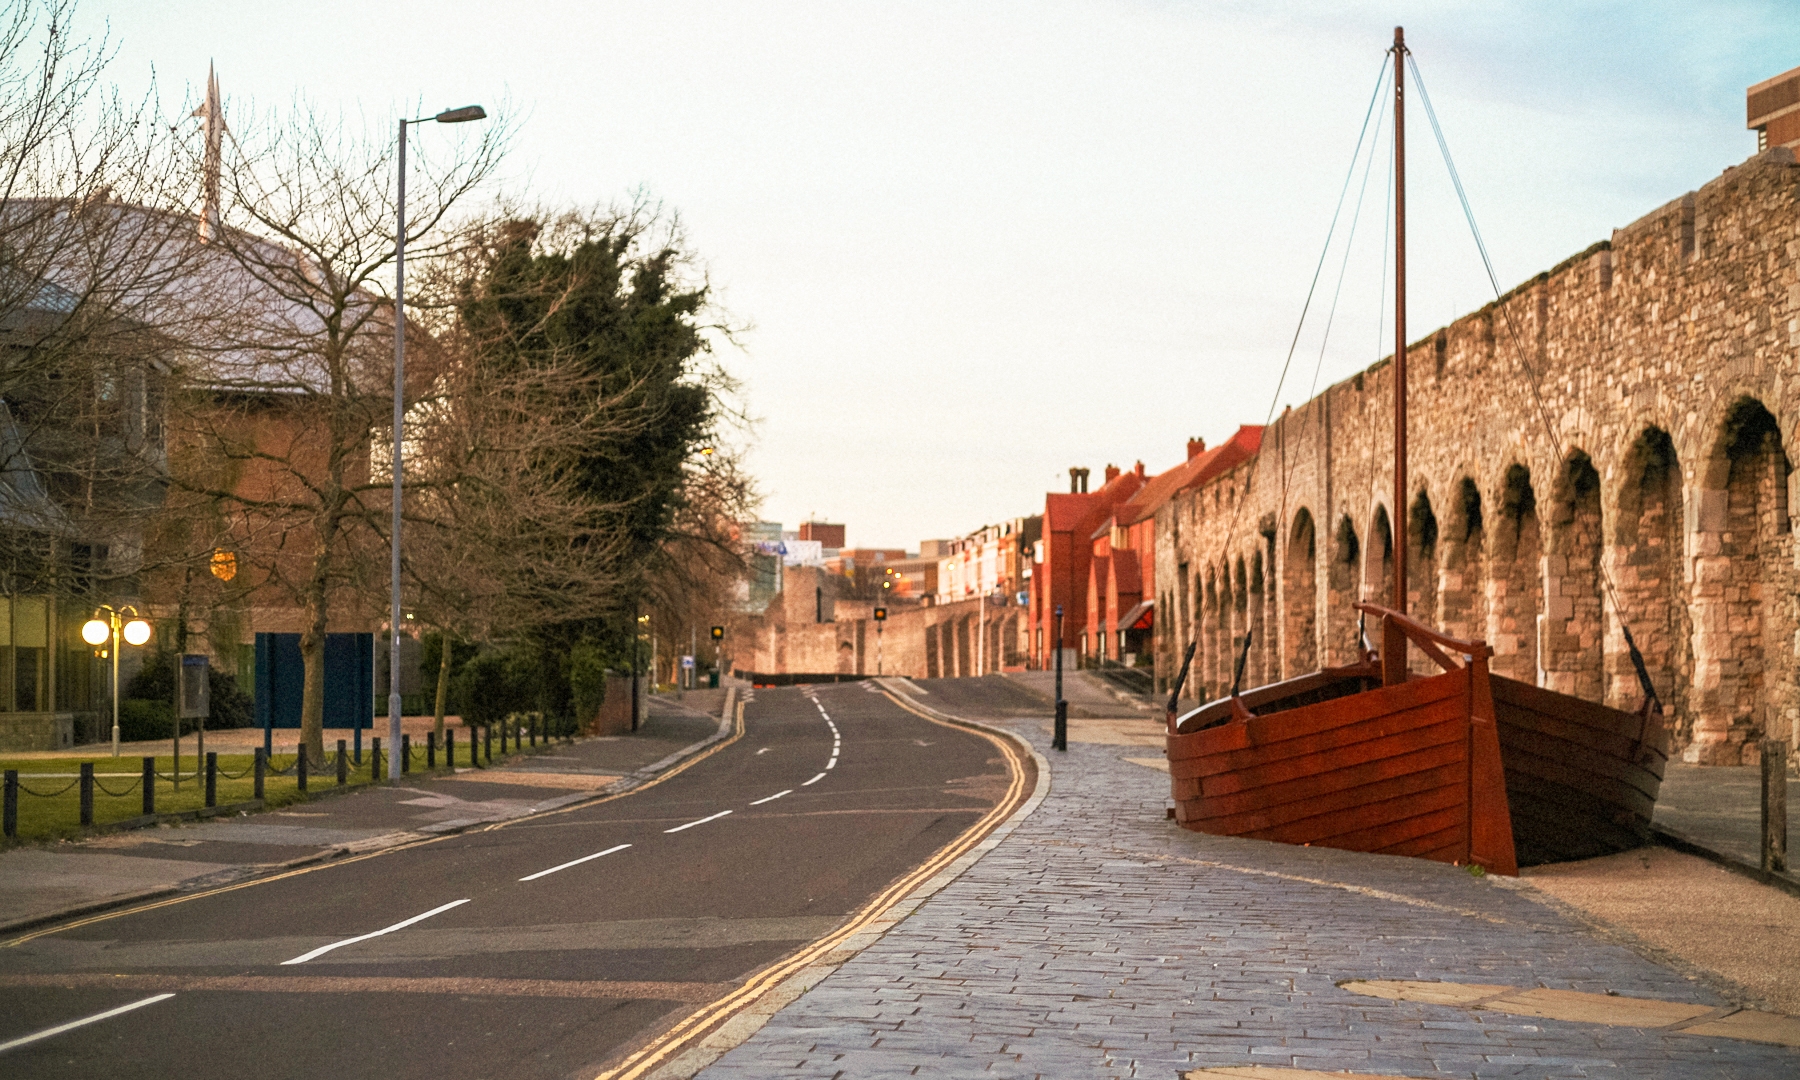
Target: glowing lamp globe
x,y
95,632
137,631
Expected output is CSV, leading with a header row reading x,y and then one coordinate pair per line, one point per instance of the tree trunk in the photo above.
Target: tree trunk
x,y
312,655
443,680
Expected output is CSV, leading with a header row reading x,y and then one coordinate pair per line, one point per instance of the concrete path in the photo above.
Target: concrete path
x,y
1100,940
43,883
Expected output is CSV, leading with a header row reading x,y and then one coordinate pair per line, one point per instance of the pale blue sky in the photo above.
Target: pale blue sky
x,y
981,242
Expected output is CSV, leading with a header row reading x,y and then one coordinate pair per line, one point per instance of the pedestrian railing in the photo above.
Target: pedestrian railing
x,y
343,767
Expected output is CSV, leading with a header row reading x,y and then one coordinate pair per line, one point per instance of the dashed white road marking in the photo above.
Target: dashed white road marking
x,y
814,780
832,764
773,797
83,1022
702,821
401,925
764,750
574,862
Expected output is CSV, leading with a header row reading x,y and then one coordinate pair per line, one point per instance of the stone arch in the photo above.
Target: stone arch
x,y
1421,559
1225,631
1243,610
1571,644
1258,671
1378,560
1646,571
1341,580
1300,597
1514,585
1462,610
1742,575
1209,635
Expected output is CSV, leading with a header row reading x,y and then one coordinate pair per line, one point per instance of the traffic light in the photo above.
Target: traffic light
x,y
718,633
881,614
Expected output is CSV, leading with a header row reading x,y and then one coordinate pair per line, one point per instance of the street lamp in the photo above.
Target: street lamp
x,y
448,116
111,623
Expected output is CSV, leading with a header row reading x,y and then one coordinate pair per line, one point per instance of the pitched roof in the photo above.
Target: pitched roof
x,y
1191,473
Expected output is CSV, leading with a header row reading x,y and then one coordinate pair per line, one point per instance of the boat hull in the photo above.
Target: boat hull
x,y
1422,768
1411,769
1581,778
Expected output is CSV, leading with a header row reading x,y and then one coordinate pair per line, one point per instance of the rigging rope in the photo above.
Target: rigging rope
x,y
1543,411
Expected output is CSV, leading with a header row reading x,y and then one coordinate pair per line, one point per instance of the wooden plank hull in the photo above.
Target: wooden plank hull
x,y
1581,778
1411,769
1421,768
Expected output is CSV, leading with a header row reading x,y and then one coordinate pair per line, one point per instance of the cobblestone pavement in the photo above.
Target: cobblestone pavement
x,y
1100,940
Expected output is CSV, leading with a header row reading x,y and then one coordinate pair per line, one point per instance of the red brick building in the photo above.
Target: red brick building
x,y
1097,558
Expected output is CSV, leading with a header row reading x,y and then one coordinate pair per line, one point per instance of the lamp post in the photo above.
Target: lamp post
x,y
111,623
448,116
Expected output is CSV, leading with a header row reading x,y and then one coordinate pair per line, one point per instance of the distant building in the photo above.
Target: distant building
x,y
827,535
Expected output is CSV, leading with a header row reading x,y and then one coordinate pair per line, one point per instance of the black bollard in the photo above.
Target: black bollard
x,y
9,806
532,725
300,767
149,786
431,749
212,778
508,722
87,793
450,749
343,764
374,761
260,765
487,739
405,753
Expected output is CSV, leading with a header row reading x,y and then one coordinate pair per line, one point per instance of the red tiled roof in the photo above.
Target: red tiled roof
x,y
1193,472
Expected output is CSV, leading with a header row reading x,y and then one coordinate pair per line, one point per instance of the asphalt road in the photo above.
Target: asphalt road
x,y
545,948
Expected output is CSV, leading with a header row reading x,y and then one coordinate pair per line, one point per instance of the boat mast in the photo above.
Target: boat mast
x,y
1398,525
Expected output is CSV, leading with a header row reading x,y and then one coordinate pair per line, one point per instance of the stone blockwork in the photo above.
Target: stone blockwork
x,y
1665,364
805,631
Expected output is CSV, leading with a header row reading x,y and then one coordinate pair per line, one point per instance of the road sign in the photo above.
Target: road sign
x,y
687,663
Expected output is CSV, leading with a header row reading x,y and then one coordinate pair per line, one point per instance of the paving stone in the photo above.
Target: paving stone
x,y
1100,940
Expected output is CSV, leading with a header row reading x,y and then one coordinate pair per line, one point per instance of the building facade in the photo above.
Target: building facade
x,y
1607,447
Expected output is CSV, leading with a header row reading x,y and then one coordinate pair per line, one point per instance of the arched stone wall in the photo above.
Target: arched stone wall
x,y
1300,591
1570,647
1515,583
1742,580
1646,568
1341,592
1462,593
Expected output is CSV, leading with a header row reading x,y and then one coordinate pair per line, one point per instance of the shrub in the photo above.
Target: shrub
x,y
492,685
141,720
155,684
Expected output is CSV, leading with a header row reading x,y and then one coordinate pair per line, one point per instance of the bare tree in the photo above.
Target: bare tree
x,y
291,382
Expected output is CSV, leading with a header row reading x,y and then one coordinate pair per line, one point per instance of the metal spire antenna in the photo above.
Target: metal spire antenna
x,y
215,147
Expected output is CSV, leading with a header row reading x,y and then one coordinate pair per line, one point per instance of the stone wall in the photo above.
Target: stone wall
x,y
1665,365
798,634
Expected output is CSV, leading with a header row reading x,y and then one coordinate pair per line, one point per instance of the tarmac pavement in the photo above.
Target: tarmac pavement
x,y
40,883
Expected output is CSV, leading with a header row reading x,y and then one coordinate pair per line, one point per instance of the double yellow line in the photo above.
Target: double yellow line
x,y
702,1021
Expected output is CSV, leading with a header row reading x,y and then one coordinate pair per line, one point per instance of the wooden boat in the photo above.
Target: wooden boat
x,y
1462,766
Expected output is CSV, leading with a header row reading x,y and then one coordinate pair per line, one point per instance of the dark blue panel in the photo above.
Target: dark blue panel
x,y
349,680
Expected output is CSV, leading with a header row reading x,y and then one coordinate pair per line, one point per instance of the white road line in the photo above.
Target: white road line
x,y
832,764
577,862
773,797
702,821
814,780
73,1024
401,925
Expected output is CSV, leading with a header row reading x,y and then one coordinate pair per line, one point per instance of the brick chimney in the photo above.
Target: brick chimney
x,y
1112,473
1139,470
1772,110
1196,447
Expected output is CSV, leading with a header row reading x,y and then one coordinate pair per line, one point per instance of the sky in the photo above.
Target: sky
x,y
969,245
